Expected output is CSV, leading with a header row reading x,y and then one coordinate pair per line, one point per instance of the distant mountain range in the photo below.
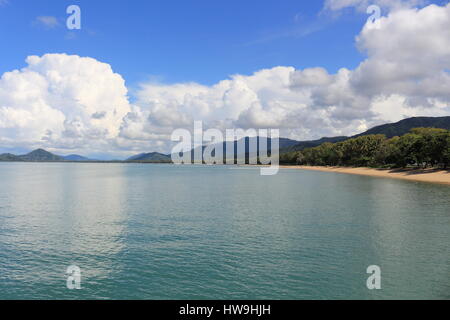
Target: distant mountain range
x,y
151,157
286,145
404,126
389,130
41,155
76,157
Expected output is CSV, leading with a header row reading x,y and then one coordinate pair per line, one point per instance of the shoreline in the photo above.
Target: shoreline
x,y
436,176
421,175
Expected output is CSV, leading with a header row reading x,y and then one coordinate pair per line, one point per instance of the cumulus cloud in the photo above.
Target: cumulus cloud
x,y
405,74
62,102
264,99
69,102
409,56
48,22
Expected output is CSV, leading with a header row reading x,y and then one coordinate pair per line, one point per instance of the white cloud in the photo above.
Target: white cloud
x,y
408,56
405,74
48,22
55,101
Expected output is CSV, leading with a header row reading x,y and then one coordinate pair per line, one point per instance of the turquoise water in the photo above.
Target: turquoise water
x,y
199,232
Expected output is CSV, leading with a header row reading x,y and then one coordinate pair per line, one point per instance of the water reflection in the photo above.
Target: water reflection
x,y
60,215
165,232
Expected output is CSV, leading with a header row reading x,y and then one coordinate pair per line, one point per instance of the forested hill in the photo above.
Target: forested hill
x,y
389,130
421,147
40,155
151,157
402,127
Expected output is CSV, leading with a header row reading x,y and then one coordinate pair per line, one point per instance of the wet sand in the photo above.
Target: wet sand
x,y
423,175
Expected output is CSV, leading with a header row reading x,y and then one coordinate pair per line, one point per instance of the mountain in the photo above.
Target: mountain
x,y
283,144
75,157
151,157
40,155
300,145
9,157
404,126
133,158
389,130
286,143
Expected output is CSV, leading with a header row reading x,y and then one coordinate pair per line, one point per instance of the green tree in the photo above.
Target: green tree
x,y
421,147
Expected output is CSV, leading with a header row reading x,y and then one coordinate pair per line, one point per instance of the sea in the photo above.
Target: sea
x,y
165,232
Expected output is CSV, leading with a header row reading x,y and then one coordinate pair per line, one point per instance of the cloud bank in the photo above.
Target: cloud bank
x,y
64,102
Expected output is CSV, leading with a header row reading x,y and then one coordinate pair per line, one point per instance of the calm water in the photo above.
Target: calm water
x,y
198,232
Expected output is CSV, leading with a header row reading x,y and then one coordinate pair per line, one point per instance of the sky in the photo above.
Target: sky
x,y
180,41
137,70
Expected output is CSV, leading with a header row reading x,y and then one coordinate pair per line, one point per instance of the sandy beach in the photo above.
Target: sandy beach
x,y
422,175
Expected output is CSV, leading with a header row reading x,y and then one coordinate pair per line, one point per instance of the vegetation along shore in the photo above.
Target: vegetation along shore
x,y
423,154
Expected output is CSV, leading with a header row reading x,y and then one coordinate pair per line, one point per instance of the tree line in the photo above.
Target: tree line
x,y
421,147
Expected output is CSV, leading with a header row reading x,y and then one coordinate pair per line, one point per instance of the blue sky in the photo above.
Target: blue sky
x,y
177,41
